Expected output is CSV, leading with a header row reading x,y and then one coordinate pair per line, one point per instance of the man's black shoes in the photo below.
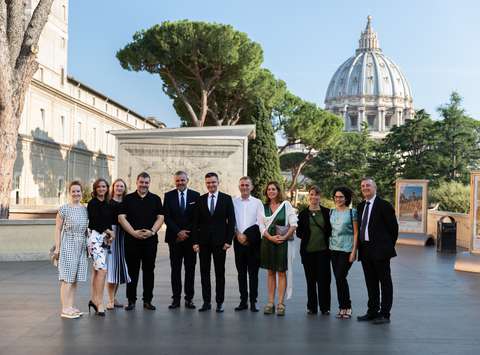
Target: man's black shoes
x,y
149,306
205,307
241,307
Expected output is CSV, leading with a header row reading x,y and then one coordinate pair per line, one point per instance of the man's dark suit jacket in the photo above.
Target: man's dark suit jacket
x,y
174,218
216,229
382,229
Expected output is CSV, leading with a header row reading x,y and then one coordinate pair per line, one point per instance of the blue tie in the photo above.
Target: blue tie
x,y
182,201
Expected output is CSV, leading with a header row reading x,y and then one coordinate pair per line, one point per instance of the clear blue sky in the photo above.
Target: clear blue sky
x,y
434,42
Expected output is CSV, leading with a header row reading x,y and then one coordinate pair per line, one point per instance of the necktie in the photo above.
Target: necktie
x,y
363,227
212,204
182,201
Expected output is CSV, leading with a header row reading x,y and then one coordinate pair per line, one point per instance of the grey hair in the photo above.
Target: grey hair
x,y
181,172
368,178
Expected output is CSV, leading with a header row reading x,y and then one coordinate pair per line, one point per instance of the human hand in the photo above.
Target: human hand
x,y
182,235
139,234
242,238
353,256
226,246
196,248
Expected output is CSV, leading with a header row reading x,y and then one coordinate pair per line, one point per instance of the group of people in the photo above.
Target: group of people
x,y
119,232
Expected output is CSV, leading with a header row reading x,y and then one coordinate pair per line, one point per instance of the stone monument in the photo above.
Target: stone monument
x,y
196,150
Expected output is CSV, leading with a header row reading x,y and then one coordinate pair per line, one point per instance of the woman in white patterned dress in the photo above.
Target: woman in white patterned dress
x,y
70,247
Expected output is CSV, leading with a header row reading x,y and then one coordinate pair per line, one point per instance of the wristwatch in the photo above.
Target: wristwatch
x,y
151,230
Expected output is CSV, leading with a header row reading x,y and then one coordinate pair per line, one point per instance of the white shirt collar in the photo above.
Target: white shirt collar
x,y
215,194
184,192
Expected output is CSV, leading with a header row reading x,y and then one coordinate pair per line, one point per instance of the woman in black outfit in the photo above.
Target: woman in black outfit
x,y
314,230
100,216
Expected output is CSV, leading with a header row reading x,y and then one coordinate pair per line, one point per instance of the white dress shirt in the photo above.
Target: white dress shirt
x,y
180,197
209,200
247,212
372,200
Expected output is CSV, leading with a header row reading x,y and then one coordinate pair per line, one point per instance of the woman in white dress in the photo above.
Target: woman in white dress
x,y
70,248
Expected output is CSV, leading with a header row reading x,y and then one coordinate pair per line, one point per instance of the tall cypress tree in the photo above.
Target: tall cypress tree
x,y
263,162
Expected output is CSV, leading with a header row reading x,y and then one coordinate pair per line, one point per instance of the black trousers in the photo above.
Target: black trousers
x,y
219,255
379,280
182,252
341,265
140,253
247,262
318,276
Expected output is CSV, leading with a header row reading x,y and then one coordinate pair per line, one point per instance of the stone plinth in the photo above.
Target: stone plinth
x,y
196,150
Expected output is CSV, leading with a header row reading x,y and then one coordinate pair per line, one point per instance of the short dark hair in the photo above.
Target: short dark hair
x,y
211,174
144,175
346,192
316,189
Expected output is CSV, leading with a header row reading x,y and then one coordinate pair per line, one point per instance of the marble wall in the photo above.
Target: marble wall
x,y
162,152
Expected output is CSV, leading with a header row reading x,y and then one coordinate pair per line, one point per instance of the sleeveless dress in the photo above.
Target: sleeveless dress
x,y
117,271
73,263
274,256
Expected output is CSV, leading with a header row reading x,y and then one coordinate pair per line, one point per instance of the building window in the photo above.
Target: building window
x,y
41,74
60,188
16,188
106,107
93,100
94,138
79,94
79,131
64,12
64,43
42,120
62,127
62,76
371,122
116,113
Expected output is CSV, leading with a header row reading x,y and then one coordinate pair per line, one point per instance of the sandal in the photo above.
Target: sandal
x,y
117,304
280,309
347,314
340,314
110,306
69,313
269,308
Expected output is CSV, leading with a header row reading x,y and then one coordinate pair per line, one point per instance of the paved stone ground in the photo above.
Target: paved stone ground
x,y
436,311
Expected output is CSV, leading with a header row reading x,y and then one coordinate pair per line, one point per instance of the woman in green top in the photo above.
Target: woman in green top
x,y
343,246
276,228
314,230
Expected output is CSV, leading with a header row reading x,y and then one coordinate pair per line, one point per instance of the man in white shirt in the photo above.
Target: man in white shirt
x,y
247,243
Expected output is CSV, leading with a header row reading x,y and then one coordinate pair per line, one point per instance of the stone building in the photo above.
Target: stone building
x,y
369,87
65,123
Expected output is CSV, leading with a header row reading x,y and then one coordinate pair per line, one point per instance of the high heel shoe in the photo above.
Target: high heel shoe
x,y
95,308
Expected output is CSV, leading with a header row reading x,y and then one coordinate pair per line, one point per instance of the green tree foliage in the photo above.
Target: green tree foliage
x,y
263,162
208,69
451,196
459,141
305,124
342,164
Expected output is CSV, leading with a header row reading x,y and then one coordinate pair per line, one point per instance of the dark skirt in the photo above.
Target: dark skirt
x,y
117,267
274,256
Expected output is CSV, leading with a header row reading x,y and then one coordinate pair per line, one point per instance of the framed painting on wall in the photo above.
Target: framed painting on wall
x,y
411,205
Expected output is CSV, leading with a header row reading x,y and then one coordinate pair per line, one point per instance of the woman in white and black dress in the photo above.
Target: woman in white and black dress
x,y
117,271
70,248
100,217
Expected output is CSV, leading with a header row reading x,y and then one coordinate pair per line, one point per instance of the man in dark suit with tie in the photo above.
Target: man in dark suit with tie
x,y
179,205
378,235
213,230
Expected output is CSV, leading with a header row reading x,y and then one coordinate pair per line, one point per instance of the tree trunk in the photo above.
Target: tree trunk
x,y
9,123
298,170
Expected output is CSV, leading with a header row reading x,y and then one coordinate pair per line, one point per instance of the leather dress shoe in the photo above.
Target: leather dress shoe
x,y
149,306
253,307
205,307
175,304
189,305
130,306
241,307
219,308
367,317
381,320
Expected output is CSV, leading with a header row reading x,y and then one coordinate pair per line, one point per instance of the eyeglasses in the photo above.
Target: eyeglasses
x,y
338,197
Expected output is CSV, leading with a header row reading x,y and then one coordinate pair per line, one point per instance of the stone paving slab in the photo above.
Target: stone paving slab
x,y
436,311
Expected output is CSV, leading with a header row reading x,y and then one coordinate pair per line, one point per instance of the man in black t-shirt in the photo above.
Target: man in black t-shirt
x,y
141,216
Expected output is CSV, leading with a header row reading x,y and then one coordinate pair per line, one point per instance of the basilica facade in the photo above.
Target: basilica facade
x,y
369,88
64,128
